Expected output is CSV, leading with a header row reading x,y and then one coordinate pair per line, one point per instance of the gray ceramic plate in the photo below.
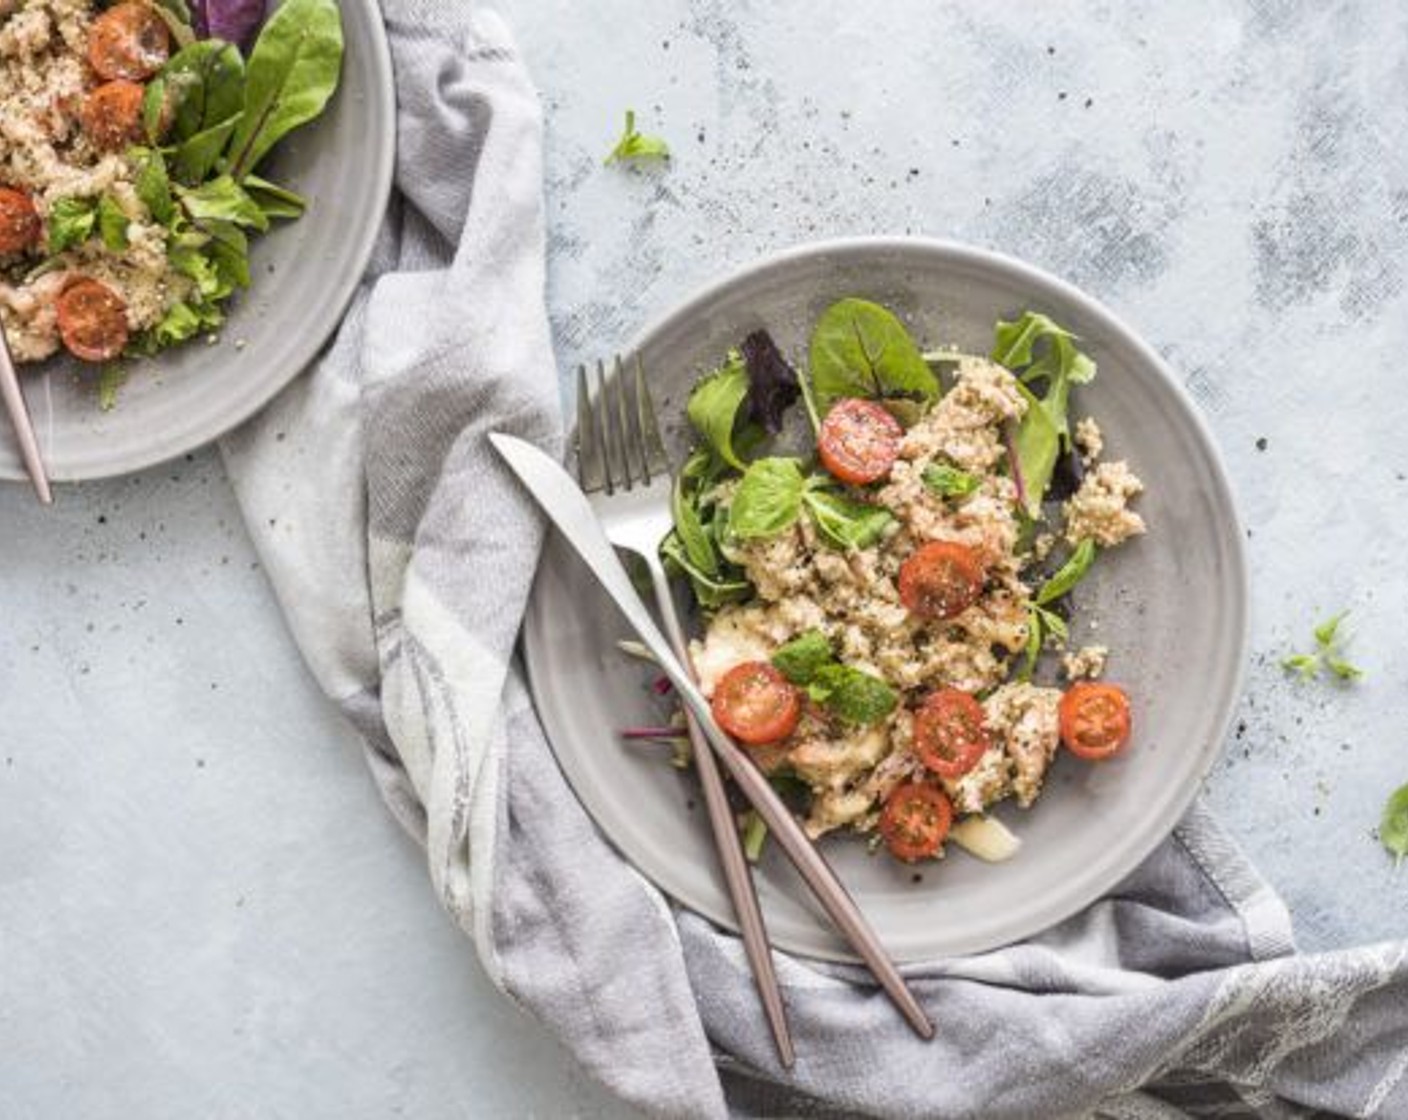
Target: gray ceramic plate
x,y
304,273
1172,606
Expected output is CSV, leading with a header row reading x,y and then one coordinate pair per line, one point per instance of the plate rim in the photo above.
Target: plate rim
x,y
307,345
1021,272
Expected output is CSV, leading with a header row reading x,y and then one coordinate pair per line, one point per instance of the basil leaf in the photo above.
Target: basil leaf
x,y
859,349
274,200
293,70
855,696
1068,574
768,500
803,657
1393,828
112,224
152,185
714,404
844,522
222,199
635,146
949,482
70,223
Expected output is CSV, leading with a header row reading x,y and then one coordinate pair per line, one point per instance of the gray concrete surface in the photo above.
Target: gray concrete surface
x,y
198,885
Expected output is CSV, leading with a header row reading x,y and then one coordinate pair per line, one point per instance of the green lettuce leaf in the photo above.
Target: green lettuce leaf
x,y
860,349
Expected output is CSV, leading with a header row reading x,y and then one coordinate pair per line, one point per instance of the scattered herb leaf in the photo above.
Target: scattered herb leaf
x,y
1393,828
636,147
1328,654
857,697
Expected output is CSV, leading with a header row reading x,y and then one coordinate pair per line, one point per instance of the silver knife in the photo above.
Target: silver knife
x,y
567,507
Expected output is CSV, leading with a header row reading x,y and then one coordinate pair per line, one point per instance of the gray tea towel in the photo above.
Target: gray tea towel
x,y
402,553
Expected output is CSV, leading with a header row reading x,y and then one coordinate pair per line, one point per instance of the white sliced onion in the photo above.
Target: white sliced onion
x,y
985,837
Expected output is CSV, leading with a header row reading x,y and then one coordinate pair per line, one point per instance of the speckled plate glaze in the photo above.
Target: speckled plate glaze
x,y
303,272
1172,606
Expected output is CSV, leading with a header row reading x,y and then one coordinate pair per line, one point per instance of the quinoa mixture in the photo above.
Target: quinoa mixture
x,y
800,582
56,144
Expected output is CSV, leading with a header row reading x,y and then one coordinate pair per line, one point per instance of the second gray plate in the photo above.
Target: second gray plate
x,y
1172,606
303,273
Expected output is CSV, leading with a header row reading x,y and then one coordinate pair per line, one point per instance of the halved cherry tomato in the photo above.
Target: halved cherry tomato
x,y
20,226
1094,720
756,704
128,41
941,579
915,820
949,733
92,320
112,115
859,441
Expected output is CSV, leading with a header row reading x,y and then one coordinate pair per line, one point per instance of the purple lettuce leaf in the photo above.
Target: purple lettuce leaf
x,y
234,21
772,384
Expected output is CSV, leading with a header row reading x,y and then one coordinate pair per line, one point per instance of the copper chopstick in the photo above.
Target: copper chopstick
x,y
19,417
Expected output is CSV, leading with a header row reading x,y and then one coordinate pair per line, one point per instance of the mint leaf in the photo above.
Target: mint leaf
x,y
636,147
801,659
1326,631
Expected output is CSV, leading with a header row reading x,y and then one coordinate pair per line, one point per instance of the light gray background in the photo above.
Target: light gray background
x,y
198,886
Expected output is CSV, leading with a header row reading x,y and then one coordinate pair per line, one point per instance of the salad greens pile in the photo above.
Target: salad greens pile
x,y
210,116
734,488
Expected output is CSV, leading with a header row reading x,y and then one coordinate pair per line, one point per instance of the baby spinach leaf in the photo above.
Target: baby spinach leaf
x,y
292,72
112,224
689,527
1033,448
1044,427
803,657
1068,574
1393,828
222,199
71,222
768,499
773,386
859,349
844,522
948,481
714,404
857,697
274,200
200,87
711,591
195,158
636,147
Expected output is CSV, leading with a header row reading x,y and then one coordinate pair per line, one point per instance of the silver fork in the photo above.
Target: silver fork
x,y
624,470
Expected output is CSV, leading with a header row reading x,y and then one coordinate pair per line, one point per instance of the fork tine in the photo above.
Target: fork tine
x,y
623,426
604,426
652,445
588,441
